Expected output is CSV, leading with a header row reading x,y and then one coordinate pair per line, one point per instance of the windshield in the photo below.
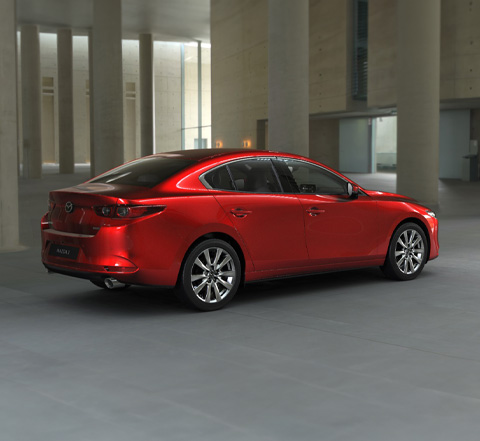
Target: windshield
x,y
144,172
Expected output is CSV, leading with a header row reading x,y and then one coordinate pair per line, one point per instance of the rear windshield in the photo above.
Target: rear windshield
x,y
145,172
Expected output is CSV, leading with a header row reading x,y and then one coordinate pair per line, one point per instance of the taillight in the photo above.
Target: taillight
x,y
128,211
44,223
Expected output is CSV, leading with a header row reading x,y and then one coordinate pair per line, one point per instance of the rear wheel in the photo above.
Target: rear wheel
x,y
210,275
407,253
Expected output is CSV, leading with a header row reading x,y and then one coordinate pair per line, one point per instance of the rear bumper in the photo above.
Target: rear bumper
x,y
110,253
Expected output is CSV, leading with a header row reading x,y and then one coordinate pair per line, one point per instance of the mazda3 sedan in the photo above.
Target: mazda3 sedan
x,y
207,221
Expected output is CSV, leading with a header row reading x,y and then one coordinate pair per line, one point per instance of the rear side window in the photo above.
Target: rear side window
x,y
248,176
219,179
145,172
254,176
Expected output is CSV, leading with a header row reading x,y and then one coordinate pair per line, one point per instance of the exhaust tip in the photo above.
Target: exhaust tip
x,y
112,283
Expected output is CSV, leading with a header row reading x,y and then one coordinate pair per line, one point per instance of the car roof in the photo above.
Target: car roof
x,y
203,154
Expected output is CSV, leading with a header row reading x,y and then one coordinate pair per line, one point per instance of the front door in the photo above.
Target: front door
x,y
338,228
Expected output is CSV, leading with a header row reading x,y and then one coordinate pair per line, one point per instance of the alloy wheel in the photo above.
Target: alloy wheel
x,y
409,251
213,275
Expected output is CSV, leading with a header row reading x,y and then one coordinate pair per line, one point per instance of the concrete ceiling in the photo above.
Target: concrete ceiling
x,y
170,20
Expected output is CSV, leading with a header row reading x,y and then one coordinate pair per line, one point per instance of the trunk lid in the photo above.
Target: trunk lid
x,y
72,209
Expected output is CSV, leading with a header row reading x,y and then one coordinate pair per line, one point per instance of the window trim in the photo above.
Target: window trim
x,y
271,159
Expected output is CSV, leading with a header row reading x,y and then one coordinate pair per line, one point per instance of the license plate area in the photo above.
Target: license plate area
x,y
64,251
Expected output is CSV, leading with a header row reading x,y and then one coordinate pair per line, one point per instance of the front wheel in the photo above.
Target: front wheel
x,y
407,253
210,276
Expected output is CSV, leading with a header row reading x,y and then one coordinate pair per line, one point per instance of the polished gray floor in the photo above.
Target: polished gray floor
x,y
345,356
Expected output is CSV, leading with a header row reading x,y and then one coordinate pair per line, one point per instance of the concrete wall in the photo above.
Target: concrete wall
x,y
239,55
355,145
239,37
460,51
324,139
329,52
382,53
454,142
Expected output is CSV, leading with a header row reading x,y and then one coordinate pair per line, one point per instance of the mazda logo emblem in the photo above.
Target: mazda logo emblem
x,y
68,207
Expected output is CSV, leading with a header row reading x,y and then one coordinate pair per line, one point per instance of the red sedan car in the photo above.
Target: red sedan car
x,y
207,221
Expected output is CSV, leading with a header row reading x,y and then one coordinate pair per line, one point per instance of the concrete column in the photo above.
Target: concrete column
x,y
90,92
107,85
31,102
65,101
418,92
147,94
288,76
9,229
199,102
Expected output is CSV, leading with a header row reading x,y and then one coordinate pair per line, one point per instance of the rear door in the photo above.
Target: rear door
x,y
269,221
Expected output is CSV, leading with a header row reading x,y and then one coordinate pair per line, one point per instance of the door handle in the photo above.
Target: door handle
x,y
314,211
240,212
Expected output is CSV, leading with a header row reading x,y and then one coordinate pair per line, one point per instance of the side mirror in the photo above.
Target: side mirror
x,y
352,191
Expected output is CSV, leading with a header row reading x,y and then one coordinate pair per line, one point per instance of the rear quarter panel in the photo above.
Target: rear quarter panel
x,y
164,239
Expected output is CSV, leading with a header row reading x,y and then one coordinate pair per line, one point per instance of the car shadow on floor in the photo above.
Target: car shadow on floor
x,y
324,284
152,301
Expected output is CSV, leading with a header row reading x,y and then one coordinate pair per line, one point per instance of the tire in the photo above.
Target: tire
x,y
210,275
407,253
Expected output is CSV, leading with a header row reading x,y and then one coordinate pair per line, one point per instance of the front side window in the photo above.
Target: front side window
x,y
304,177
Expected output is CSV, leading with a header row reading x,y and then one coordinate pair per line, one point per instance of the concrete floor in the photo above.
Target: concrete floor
x,y
345,356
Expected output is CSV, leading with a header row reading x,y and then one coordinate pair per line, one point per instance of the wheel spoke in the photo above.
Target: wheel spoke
x,y
400,241
200,264
227,273
208,296
399,253
199,287
410,239
410,265
217,257
218,297
418,259
206,253
225,283
196,277
224,262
